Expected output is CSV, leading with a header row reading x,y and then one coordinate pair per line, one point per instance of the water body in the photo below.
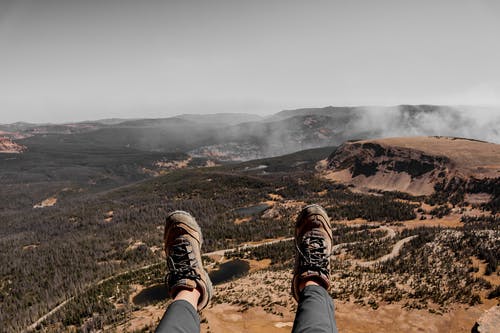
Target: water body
x,y
226,272
229,270
259,167
252,210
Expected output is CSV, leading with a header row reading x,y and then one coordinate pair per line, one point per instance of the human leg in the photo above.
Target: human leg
x,y
180,317
188,283
311,278
315,312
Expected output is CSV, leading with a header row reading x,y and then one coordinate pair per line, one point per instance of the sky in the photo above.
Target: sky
x,y
70,60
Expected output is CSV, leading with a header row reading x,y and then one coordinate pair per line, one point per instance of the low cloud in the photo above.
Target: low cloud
x,y
481,123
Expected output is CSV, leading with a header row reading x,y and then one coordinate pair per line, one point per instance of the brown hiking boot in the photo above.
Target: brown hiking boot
x,y
185,271
313,241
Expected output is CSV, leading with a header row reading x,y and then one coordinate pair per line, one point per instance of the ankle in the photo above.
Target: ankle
x,y
190,296
306,283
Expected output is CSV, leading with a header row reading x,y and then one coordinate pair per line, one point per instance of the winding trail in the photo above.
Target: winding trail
x,y
390,234
33,326
394,253
246,246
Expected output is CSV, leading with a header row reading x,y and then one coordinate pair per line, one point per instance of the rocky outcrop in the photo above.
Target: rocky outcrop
x,y
368,158
489,322
9,146
419,165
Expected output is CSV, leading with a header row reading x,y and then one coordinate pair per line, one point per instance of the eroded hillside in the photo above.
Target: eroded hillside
x,y
458,169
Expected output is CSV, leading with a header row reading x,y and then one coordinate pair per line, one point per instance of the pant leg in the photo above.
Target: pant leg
x,y
180,317
315,313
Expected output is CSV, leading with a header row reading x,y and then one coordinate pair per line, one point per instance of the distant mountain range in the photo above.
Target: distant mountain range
x,y
230,136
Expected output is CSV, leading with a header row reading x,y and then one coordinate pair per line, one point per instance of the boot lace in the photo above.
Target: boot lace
x,y
180,263
313,254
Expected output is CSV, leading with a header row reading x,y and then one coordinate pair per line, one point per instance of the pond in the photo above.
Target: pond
x,y
229,271
252,210
226,272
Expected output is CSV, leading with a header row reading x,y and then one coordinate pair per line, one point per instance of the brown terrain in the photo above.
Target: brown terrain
x,y
229,317
240,305
364,294
412,165
49,202
10,147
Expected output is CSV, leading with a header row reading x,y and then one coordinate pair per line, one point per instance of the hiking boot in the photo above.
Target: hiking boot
x,y
313,241
185,271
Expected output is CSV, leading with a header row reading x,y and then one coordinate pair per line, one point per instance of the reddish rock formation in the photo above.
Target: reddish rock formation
x,y
9,146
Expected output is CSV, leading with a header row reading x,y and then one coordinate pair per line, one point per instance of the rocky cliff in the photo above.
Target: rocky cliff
x,y
454,167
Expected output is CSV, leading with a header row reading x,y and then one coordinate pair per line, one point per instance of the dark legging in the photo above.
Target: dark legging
x,y
315,314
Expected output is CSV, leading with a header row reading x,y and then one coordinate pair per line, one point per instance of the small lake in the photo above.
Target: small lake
x,y
229,270
226,272
252,210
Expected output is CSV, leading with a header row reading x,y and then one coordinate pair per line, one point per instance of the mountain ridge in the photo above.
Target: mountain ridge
x,y
439,166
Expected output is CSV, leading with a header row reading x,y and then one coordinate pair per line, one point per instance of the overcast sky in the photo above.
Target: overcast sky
x,y
67,60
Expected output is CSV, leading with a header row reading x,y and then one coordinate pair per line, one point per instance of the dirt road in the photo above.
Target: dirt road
x,y
394,253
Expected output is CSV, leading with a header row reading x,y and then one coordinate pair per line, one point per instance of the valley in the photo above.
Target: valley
x,y
415,223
